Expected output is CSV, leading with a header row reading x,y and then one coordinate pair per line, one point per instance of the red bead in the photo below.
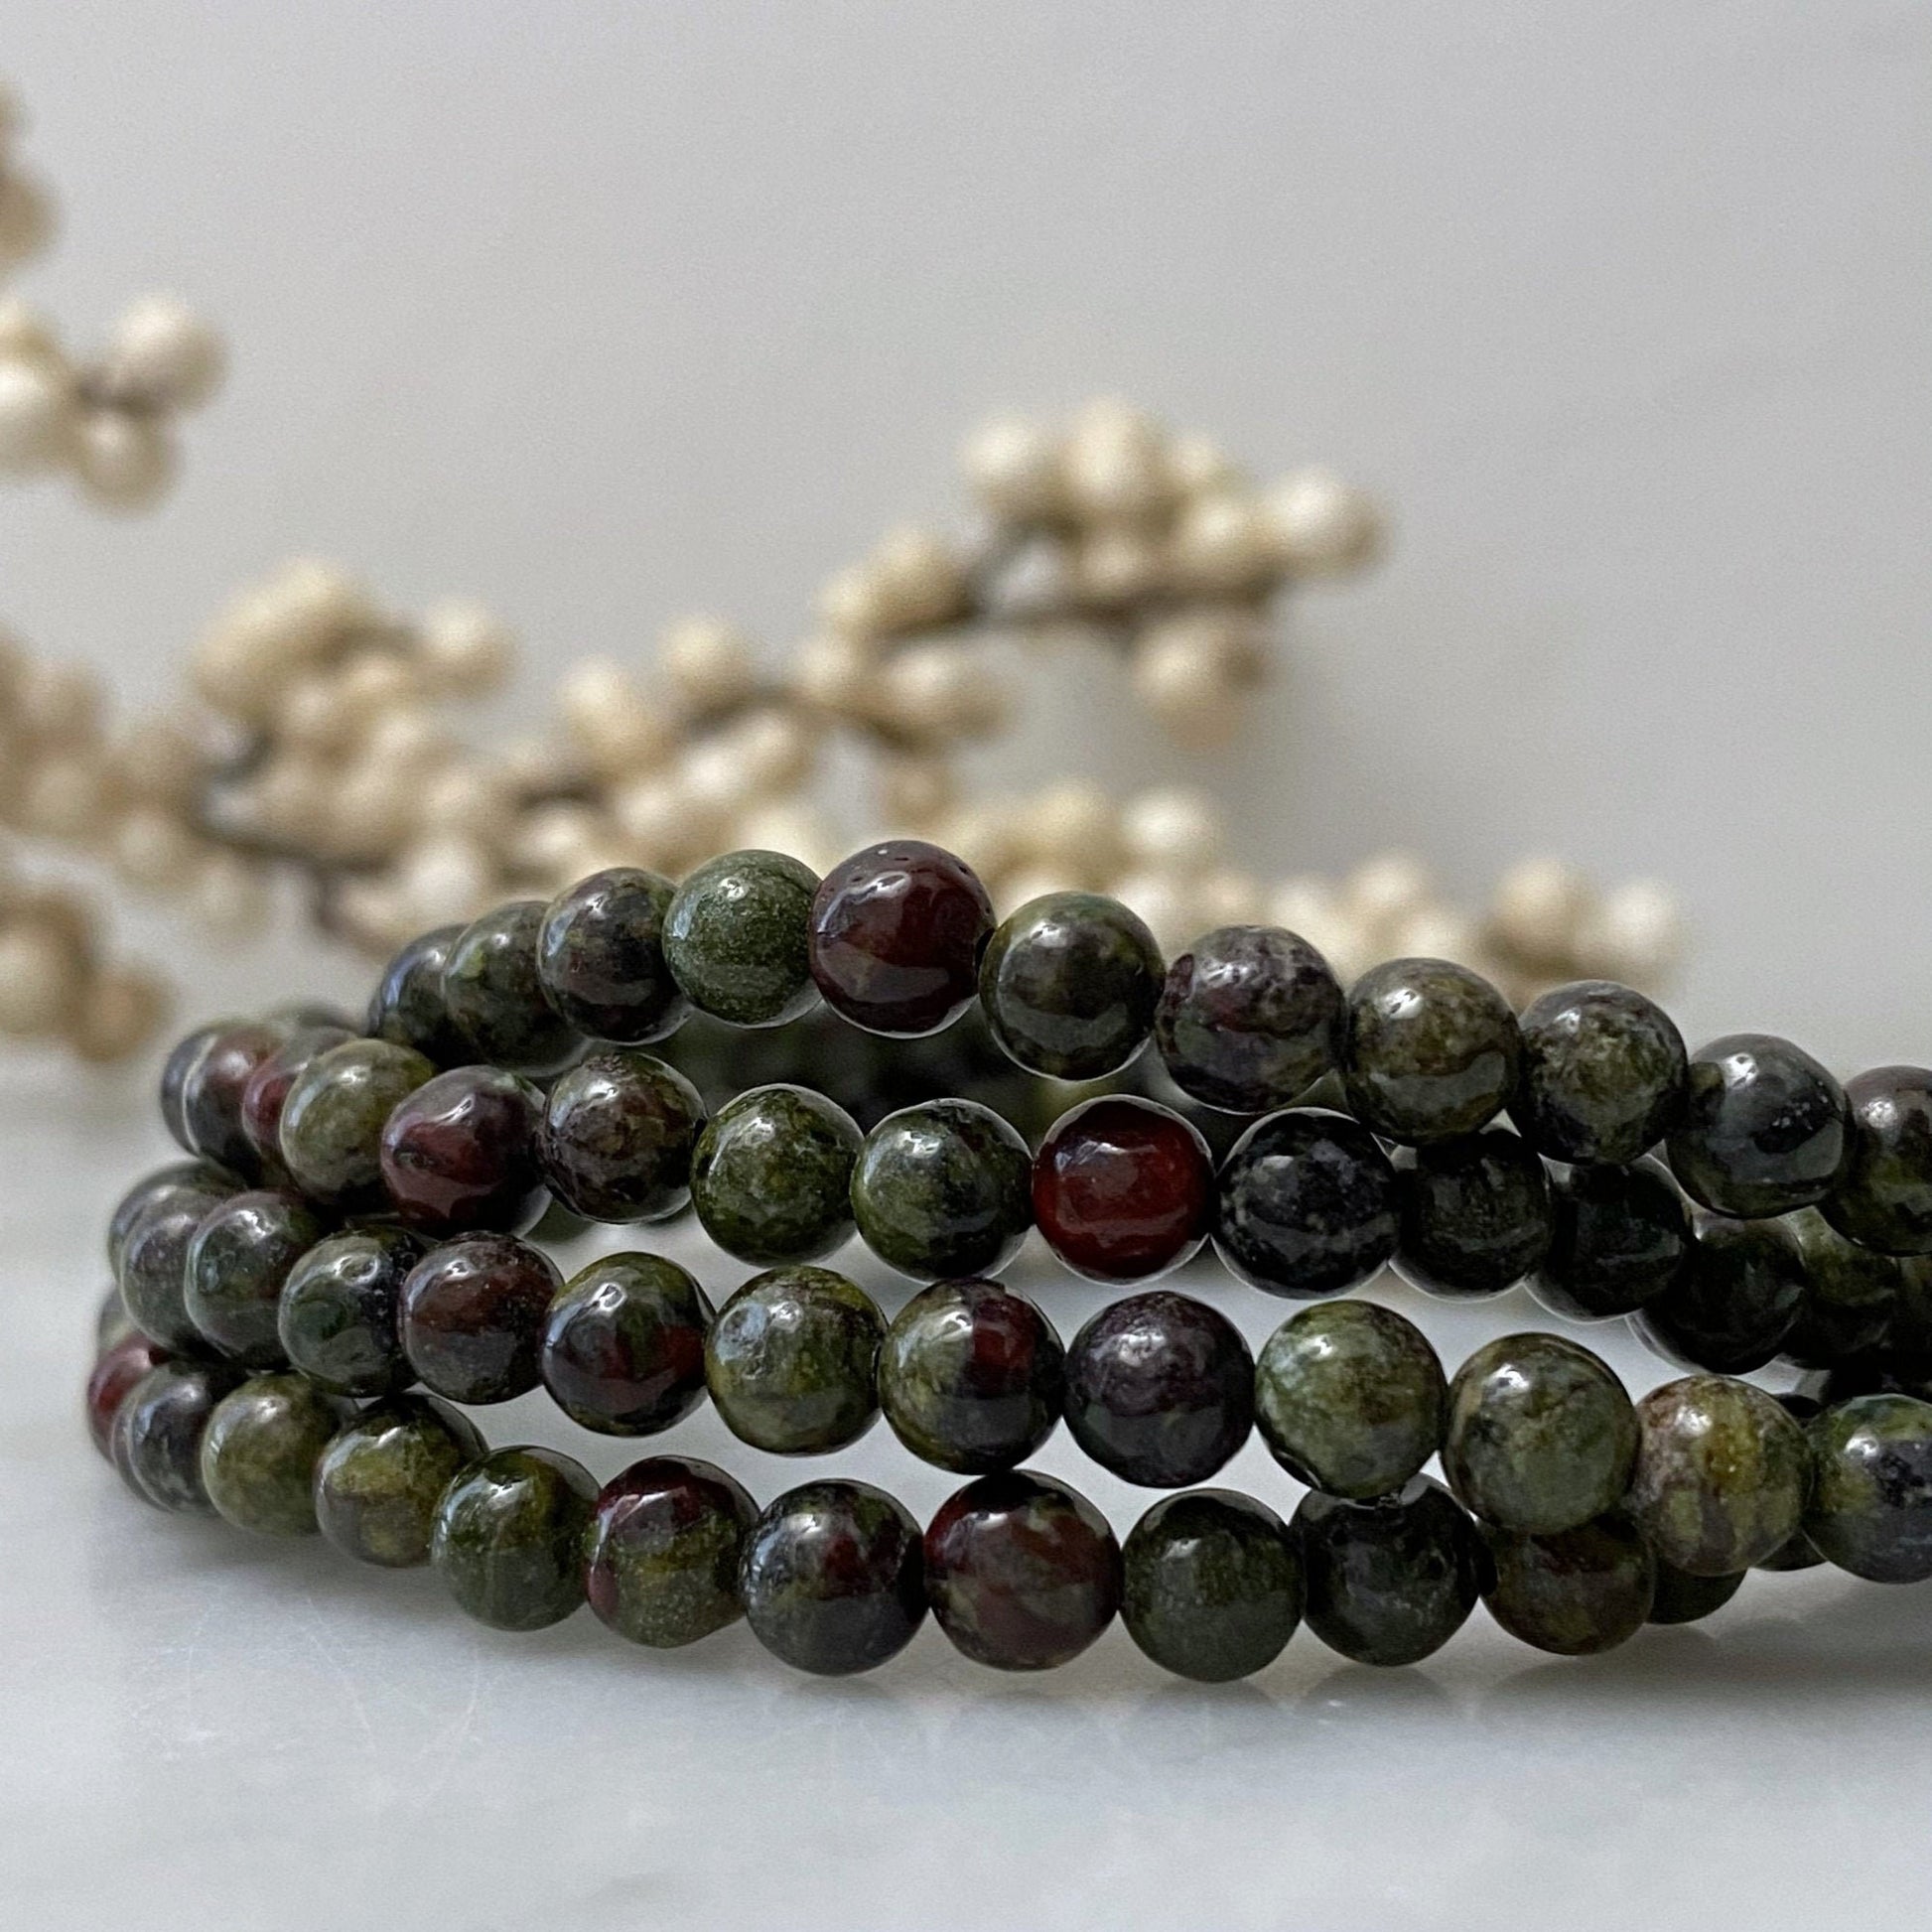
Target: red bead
x,y
267,1089
460,1152
1123,1189
115,1373
897,932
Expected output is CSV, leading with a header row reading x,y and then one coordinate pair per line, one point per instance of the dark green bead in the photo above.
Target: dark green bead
x,y
1541,1435
1431,1050
1797,1550
1577,1591
624,1345
1681,1598
1351,1398
200,1178
1870,1507
1618,1238
335,1113
771,1177
618,1134
495,994
337,1321
660,1561
408,1008
1735,1302
154,1266
1851,1294
1763,1128
1883,1195
601,957
380,1478
260,1450
508,1537
1604,1073
1069,983
155,1442
943,1188
1211,1586
791,1361
1722,1475
737,938
1475,1215
239,1259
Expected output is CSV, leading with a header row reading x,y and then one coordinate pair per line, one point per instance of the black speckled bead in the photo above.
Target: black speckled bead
x,y
972,1377
153,1272
473,1316
1680,1597
335,1113
772,1174
1871,1506
791,1361
407,1008
1738,1299
211,1086
1883,1195
624,1345
155,1443
1250,1018
341,1308
833,1578
1618,1238
1160,1389
1307,1205
601,957
495,994
1431,1050
660,1563
509,1534
1851,1294
1475,1215
1722,1476
943,1188
618,1134
1350,1398
1211,1586
1576,1591
737,938
1389,1582
1604,1073
237,1264
202,1178
261,1450
1069,982
381,1476
460,1152
1763,1128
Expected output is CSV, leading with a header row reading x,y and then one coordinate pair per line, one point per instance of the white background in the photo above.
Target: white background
x,y
603,313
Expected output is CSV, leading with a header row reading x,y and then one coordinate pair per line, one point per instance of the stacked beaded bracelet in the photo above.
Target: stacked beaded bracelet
x,y
351,1224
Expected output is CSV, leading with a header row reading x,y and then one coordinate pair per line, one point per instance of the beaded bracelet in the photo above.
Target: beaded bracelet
x,y
295,1250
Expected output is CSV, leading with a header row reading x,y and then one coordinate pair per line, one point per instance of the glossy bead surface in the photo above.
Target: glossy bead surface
x,y
772,1174
791,1361
1884,1193
335,1113
1350,1398
212,1089
1023,1573
897,932
972,1377
261,1450
1870,1505
1123,1189
472,1314
200,1178
459,1152
237,1264
1797,1550
1576,1591
381,1476
1680,1597
737,938
174,1071
1429,1051
407,1008
943,1188
116,1371
833,1578
508,1537
155,1442
1763,1128
601,957
1160,1389
153,1274
1306,1205
1618,1238
1388,1582
661,1557
617,1137
495,994
112,1322
1851,1294
624,1344
1604,1073
1721,1474
1474,1215
1738,1295
266,1091
1069,982
341,1311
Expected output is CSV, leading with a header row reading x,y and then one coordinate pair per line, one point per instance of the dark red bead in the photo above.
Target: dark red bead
x,y
211,1088
267,1088
624,1345
460,1152
1123,1189
473,1316
115,1373
897,932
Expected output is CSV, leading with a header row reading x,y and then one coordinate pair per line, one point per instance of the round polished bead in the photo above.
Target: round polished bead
x,y
335,1113
1797,1550
1431,1050
1763,1128
791,1361
943,1188
1851,1294
267,1090
833,1578
617,1137
1475,1215
1871,1506
495,994
199,1177
601,957
114,1374
1069,982
1250,1018
1123,1189
1604,1073
508,1537
175,1072
236,1266
1734,1302
1388,1582
112,1322
472,1314
737,938
460,1152
153,1274
381,1476
1575,1591
408,1008
1618,1238
897,932
261,1450
1350,1398
772,1174
155,1440
1211,1586
1883,1195
1541,1435
1721,1474
972,1377
660,1563
624,1345
1680,1597
341,1311
1023,1573
211,1088
1307,1205
1160,1389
